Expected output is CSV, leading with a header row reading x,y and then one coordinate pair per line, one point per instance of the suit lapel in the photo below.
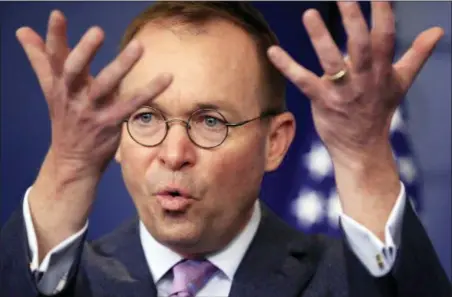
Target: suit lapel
x,y
121,269
278,262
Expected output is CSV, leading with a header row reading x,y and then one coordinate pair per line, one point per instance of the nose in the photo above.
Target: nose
x,y
177,151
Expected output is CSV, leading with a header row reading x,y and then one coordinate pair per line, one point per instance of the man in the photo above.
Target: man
x,y
193,111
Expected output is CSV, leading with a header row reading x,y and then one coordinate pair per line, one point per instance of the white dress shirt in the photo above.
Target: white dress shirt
x,y
162,259
376,256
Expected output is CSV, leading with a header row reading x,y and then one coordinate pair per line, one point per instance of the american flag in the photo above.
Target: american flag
x,y
316,208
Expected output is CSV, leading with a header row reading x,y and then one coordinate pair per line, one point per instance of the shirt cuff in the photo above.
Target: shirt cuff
x,y
33,245
376,256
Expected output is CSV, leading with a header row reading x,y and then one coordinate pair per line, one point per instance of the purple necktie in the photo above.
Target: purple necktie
x,y
190,276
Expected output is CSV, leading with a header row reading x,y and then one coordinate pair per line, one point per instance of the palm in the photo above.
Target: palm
x,y
352,115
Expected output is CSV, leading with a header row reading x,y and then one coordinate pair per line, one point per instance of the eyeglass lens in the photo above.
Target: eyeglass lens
x,y
206,127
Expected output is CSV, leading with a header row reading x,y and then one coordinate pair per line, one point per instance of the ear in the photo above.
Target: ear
x,y
118,154
118,157
280,136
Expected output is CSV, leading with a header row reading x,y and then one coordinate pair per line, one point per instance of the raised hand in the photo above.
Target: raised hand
x,y
86,117
354,101
85,112
352,114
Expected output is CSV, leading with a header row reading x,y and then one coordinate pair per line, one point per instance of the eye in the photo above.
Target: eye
x,y
208,120
144,117
211,121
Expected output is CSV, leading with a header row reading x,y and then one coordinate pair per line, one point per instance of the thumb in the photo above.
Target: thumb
x,y
34,48
415,57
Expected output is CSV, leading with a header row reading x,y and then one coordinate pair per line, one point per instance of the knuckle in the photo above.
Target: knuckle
x,y
301,83
108,117
389,34
67,68
83,109
362,43
334,100
69,71
366,45
351,11
101,119
296,76
335,64
94,92
53,54
359,90
115,69
83,118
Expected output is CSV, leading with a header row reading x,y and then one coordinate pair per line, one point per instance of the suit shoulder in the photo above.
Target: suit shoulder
x,y
108,243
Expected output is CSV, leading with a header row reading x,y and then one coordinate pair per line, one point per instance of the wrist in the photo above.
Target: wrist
x,y
357,160
60,200
368,187
66,170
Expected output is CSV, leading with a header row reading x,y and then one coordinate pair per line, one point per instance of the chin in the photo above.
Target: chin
x,y
187,233
184,244
180,234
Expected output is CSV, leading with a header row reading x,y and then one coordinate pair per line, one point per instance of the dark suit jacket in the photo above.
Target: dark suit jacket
x,y
281,262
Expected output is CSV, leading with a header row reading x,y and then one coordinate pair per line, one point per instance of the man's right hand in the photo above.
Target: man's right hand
x,y
86,117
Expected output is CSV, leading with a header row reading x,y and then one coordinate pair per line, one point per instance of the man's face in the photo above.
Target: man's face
x,y
218,66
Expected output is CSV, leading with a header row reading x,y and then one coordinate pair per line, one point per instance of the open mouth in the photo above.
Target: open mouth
x,y
174,199
174,193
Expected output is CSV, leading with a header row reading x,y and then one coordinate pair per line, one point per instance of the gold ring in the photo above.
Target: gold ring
x,y
336,76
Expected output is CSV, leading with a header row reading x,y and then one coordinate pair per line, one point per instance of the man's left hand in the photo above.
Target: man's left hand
x,y
354,101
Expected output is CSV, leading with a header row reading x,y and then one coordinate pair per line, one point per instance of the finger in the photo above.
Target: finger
x,y
358,38
56,41
123,108
111,75
305,80
327,51
415,57
34,48
82,54
383,33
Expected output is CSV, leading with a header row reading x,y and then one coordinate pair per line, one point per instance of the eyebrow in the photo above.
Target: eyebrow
x,y
211,105
222,107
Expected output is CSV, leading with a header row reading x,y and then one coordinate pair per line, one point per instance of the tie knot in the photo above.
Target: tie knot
x,y
190,276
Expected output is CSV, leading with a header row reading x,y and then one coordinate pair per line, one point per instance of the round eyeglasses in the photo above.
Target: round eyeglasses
x,y
206,128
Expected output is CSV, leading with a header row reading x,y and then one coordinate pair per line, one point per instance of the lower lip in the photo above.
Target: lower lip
x,y
172,203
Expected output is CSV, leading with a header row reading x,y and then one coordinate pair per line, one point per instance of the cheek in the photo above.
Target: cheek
x,y
135,161
238,171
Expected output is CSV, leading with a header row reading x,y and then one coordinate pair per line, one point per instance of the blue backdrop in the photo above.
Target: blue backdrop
x,y
301,191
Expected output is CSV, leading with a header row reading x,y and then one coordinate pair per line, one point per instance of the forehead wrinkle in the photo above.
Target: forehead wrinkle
x,y
204,68
188,106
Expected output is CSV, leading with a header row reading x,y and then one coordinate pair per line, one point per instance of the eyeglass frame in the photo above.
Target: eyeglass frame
x,y
264,114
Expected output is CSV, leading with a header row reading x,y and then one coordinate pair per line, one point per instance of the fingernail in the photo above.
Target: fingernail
x,y
19,31
54,13
273,54
166,77
133,47
272,51
95,33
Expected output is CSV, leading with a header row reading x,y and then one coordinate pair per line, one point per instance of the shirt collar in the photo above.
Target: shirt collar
x,y
161,259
